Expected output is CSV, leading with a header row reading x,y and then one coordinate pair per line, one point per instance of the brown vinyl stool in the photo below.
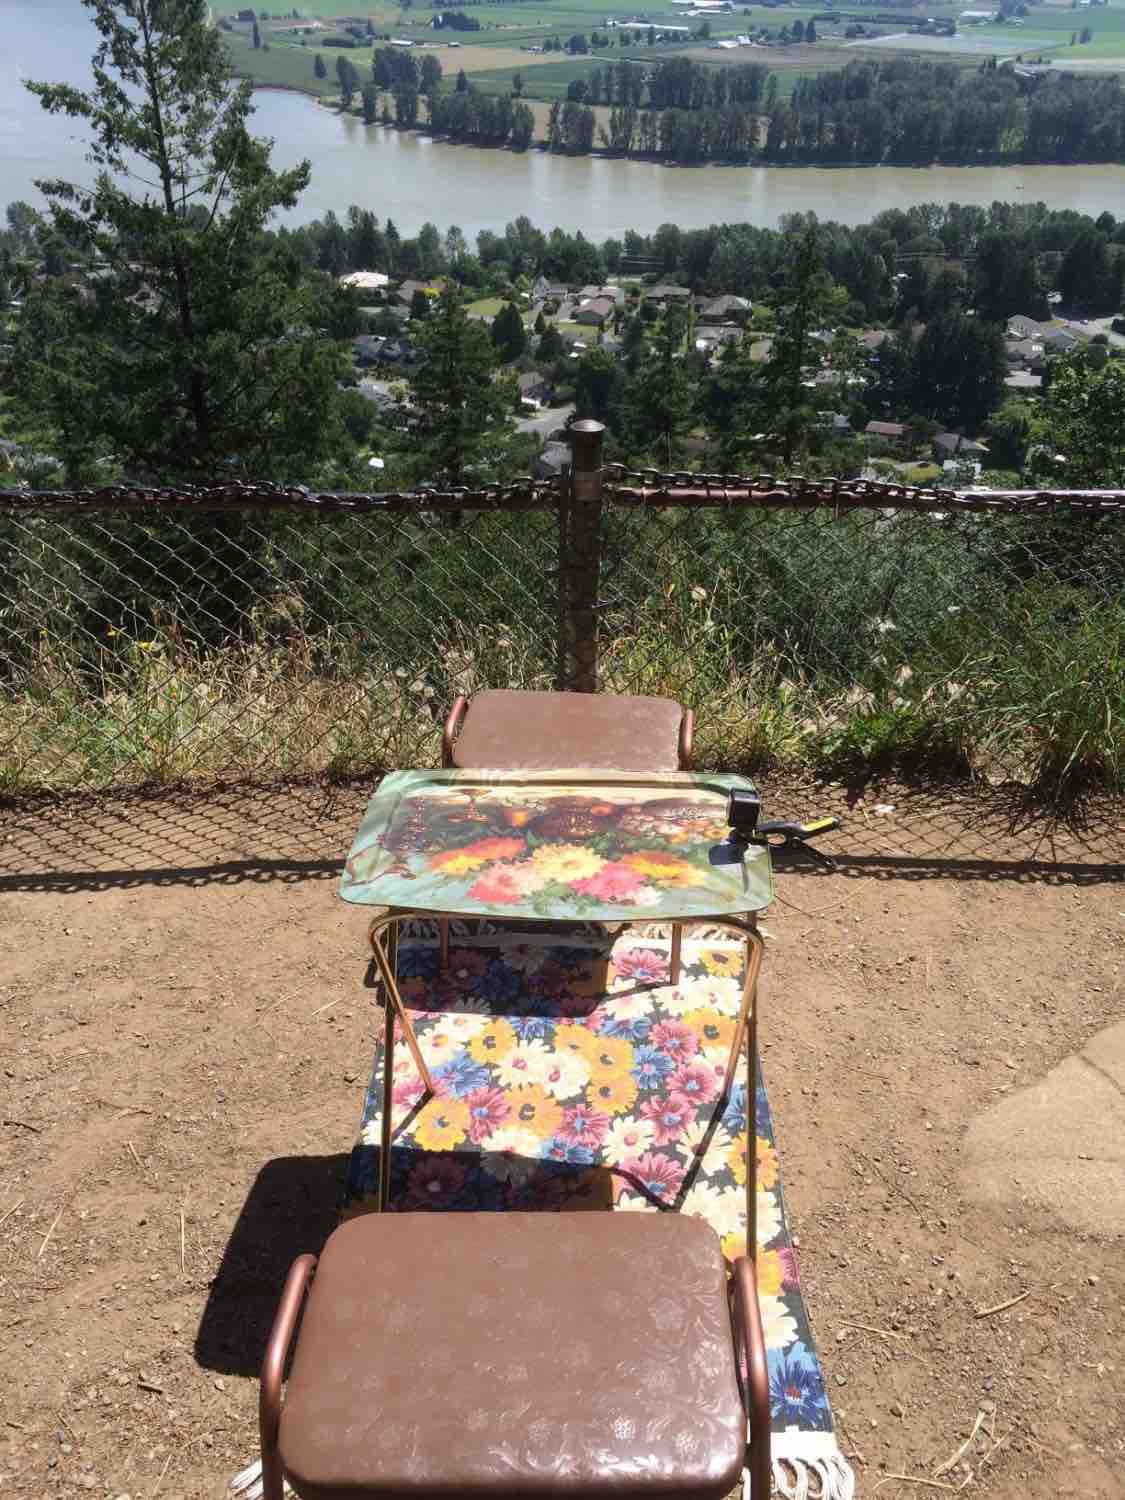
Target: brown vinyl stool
x,y
573,1355
505,731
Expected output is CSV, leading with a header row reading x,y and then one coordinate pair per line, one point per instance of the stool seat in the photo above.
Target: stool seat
x,y
526,731
516,1355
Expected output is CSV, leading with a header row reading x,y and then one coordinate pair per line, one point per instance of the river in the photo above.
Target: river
x,y
412,179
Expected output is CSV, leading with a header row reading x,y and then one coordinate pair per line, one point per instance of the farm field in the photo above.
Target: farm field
x,y
494,55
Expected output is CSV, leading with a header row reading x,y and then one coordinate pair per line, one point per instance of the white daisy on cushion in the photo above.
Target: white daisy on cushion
x,y
627,1138
635,1203
522,1064
439,1045
629,1005
563,1074
778,1323
466,1024
723,1208
511,1154
706,993
769,1217
695,1135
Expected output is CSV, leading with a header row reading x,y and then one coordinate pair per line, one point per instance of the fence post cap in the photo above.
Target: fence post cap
x,y
587,424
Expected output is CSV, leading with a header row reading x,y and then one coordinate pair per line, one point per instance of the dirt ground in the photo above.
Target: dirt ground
x,y
184,1037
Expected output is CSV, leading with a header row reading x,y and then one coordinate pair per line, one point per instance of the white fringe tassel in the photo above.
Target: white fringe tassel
x,y
828,1478
248,1484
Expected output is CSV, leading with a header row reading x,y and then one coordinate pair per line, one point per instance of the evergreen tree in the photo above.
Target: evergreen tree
x,y
464,415
550,346
462,81
803,304
508,336
257,36
958,370
658,399
185,361
370,98
320,67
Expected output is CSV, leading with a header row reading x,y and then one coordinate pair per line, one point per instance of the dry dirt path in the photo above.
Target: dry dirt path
x,y
183,1030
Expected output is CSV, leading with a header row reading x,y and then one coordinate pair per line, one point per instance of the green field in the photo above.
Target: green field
x,y
1046,30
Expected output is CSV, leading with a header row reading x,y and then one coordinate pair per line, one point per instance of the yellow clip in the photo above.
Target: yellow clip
x,y
818,825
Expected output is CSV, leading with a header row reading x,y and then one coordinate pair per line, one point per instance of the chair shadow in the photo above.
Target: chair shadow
x,y
293,1206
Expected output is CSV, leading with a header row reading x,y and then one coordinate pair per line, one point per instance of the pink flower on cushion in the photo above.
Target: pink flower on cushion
x,y
694,1081
675,1039
669,1114
646,965
790,1275
488,1109
407,1093
583,1126
660,1175
613,882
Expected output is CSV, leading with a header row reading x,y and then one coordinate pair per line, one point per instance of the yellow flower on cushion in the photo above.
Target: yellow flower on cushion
x,y
533,1109
727,962
566,861
613,1096
668,869
766,1166
769,1273
711,1027
494,1042
571,1037
612,1058
442,1124
736,1160
767,1163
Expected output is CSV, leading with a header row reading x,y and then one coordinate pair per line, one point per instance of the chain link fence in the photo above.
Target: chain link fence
x,y
855,632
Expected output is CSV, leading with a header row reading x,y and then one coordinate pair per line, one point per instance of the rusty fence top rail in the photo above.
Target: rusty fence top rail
x,y
622,486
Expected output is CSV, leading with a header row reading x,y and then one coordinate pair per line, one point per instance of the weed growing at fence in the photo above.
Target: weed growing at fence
x,y
304,645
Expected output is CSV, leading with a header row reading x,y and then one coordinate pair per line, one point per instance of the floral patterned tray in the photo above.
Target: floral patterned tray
x,y
558,846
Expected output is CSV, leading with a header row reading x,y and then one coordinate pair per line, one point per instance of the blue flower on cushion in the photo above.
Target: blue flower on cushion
x,y
565,1151
734,1116
796,1388
632,1028
651,1066
418,962
461,1075
531,1028
498,982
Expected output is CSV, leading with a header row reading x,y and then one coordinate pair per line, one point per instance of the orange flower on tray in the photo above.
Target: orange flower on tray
x,y
472,856
668,869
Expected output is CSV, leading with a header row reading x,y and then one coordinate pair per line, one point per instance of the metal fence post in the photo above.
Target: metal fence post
x,y
580,564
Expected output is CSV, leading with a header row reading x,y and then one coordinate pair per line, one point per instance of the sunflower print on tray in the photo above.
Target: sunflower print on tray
x,y
580,1078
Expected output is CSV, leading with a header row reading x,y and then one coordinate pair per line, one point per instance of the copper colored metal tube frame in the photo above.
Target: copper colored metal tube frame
x,y
273,1369
749,1337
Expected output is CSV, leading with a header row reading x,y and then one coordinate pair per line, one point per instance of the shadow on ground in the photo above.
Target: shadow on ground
x,y
289,832
293,1206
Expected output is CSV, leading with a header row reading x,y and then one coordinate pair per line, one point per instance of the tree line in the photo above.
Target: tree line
x,y
905,111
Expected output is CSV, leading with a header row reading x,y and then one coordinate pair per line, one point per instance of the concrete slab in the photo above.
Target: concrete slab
x,y
1059,1144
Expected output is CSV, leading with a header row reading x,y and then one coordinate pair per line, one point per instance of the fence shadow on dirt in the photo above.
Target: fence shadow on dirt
x,y
292,832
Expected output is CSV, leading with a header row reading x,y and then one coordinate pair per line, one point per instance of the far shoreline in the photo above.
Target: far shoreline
x,y
602,154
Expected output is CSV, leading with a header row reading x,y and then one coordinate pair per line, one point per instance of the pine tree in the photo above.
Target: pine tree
x,y
320,67
185,360
508,336
464,415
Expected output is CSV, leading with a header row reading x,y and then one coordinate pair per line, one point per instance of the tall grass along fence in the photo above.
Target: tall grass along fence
x,y
249,632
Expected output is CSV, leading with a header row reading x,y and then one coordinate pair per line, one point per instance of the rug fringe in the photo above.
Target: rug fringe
x,y
247,1485
827,1478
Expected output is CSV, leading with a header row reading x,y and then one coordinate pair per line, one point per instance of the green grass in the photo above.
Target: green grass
x,y
487,307
283,66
